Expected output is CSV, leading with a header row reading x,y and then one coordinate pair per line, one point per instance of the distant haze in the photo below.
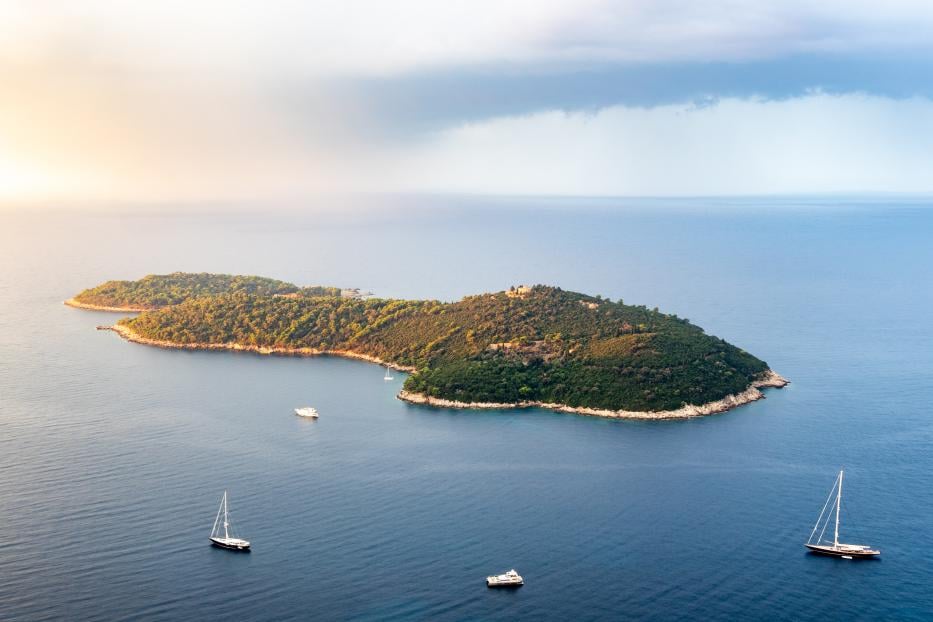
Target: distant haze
x,y
174,101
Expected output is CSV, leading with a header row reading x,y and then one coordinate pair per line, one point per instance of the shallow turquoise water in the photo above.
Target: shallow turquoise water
x,y
113,456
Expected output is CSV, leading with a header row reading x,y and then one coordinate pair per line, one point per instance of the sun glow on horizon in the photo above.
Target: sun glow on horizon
x,y
22,180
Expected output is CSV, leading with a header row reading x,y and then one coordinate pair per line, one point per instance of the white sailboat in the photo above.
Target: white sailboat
x,y
836,548
222,534
388,375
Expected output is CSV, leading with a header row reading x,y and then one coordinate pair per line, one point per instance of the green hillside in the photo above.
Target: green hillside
x,y
536,344
161,290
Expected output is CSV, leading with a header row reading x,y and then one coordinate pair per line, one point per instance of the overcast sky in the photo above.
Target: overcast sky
x,y
282,100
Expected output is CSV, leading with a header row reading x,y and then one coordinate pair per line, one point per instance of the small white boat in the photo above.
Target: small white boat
x,y
388,375
509,579
225,539
836,548
307,411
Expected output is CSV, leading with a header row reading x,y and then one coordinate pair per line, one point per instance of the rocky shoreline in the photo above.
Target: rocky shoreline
x,y
770,379
71,302
751,394
130,335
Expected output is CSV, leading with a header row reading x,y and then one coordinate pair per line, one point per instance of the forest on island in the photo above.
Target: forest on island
x,y
526,344
161,290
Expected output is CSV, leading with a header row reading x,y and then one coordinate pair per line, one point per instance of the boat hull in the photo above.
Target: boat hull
x,y
229,546
510,579
834,552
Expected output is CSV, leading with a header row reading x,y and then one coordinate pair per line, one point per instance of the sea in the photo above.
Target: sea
x,y
114,456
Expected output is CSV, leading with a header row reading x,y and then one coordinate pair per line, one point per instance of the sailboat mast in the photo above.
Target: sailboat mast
x,y
227,534
838,502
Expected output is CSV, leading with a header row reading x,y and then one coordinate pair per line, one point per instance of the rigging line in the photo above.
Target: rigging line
x,y
849,523
829,518
228,523
829,515
825,505
819,538
216,520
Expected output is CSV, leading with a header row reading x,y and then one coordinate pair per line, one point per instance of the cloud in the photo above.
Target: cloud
x,y
429,101
815,143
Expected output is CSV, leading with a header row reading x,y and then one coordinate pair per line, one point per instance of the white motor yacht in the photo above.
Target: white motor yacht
x,y
509,579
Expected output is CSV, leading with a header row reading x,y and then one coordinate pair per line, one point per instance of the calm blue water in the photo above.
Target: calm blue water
x,y
113,456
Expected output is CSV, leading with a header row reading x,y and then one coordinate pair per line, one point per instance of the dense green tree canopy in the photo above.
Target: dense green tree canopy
x,y
161,290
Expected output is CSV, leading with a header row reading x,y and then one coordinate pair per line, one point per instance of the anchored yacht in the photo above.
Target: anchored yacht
x,y
836,548
307,411
222,533
509,579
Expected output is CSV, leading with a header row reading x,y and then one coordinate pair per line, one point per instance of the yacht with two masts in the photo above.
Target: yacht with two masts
x,y
817,544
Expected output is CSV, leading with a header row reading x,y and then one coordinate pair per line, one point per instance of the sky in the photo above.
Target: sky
x,y
237,100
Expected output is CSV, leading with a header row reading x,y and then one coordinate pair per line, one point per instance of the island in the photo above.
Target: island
x,y
161,290
536,346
